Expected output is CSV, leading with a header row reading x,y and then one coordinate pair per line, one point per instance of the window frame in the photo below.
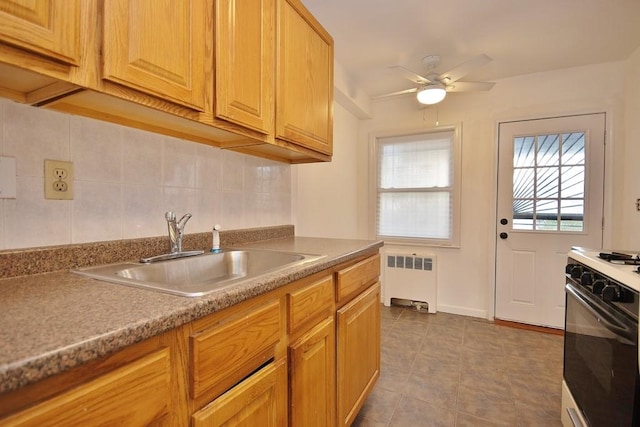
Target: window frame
x,y
455,188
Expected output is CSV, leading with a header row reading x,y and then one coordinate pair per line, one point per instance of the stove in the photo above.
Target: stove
x,y
601,384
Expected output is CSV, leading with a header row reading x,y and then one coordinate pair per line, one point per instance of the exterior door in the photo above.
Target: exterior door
x,y
550,198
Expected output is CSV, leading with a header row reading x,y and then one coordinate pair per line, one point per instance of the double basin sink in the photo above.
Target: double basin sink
x,y
199,275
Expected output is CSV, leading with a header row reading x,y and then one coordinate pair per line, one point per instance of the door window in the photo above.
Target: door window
x,y
548,182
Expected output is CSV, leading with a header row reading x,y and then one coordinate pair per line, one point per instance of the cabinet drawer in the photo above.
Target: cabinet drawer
x,y
224,354
311,302
355,278
260,400
136,394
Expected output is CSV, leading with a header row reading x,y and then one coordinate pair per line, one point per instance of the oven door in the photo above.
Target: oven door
x,y
601,360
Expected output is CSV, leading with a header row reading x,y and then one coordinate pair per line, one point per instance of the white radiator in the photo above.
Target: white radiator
x,y
410,277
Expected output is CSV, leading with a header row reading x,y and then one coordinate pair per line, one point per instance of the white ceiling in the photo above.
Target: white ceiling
x,y
522,36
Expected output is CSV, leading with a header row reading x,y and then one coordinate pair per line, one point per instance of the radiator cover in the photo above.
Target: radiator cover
x,y
410,276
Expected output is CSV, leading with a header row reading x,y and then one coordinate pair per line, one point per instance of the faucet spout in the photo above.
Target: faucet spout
x,y
176,230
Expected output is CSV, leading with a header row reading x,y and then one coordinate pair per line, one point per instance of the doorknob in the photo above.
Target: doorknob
x,y
504,221
503,235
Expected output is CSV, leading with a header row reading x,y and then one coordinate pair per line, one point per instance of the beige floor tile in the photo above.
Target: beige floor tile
x,y
497,406
436,387
393,378
466,420
380,405
416,413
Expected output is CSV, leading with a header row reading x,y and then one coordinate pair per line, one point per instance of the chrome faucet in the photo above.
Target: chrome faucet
x,y
176,230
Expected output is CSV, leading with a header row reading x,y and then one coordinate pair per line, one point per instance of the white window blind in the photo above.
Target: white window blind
x,y
416,188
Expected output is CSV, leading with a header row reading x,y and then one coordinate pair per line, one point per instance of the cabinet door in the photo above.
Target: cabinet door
x,y
312,360
46,27
260,400
245,62
304,79
358,352
157,47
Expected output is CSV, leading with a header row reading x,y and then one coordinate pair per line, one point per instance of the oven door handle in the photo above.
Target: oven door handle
x,y
619,329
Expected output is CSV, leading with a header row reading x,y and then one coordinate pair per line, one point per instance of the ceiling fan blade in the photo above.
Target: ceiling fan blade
x,y
469,86
410,75
464,69
400,92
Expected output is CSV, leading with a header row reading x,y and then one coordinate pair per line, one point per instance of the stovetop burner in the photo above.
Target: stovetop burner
x,y
620,258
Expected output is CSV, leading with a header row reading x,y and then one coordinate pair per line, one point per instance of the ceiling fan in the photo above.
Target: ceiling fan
x,y
434,87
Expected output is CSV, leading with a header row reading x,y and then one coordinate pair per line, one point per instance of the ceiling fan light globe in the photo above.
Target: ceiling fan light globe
x,y
431,94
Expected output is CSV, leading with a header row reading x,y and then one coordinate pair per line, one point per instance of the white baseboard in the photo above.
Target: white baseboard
x,y
463,311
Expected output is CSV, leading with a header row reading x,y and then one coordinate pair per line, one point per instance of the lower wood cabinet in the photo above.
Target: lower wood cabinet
x,y
137,394
358,352
312,377
260,400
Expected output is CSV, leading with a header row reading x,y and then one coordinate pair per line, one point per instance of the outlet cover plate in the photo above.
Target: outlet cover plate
x,y
58,180
7,178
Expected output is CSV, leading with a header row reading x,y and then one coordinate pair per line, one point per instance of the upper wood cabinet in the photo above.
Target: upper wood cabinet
x,y
304,79
47,27
255,76
157,47
245,62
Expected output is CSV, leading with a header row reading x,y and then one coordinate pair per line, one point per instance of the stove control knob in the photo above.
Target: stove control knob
x,y
586,279
598,286
576,271
611,292
568,268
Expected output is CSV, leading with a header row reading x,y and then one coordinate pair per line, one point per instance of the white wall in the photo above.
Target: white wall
x,y
327,194
628,235
465,275
125,179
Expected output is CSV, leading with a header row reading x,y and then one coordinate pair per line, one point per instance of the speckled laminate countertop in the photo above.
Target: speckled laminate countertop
x,y
52,322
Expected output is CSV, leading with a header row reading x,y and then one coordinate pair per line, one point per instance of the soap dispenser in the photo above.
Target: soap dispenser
x,y
215,245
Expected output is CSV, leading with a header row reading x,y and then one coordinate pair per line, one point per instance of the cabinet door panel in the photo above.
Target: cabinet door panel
x,y
304,79
312,360
358,352
260,400
46,27
245,61
158,47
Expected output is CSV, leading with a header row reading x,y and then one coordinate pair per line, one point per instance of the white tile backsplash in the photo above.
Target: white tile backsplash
x,y
96,150
179,163
125,179
30,220
97,212
142,213
33,135
141,157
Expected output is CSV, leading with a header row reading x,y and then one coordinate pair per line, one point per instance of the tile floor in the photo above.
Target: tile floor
x,y
448,370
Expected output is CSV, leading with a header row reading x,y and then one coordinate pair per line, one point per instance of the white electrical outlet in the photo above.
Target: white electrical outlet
x,y
7,178
58,180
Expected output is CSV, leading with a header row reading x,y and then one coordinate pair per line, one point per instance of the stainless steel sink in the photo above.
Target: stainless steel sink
x,y
198,275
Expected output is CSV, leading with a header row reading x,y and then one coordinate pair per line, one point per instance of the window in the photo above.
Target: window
x,y
417,185
548,182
